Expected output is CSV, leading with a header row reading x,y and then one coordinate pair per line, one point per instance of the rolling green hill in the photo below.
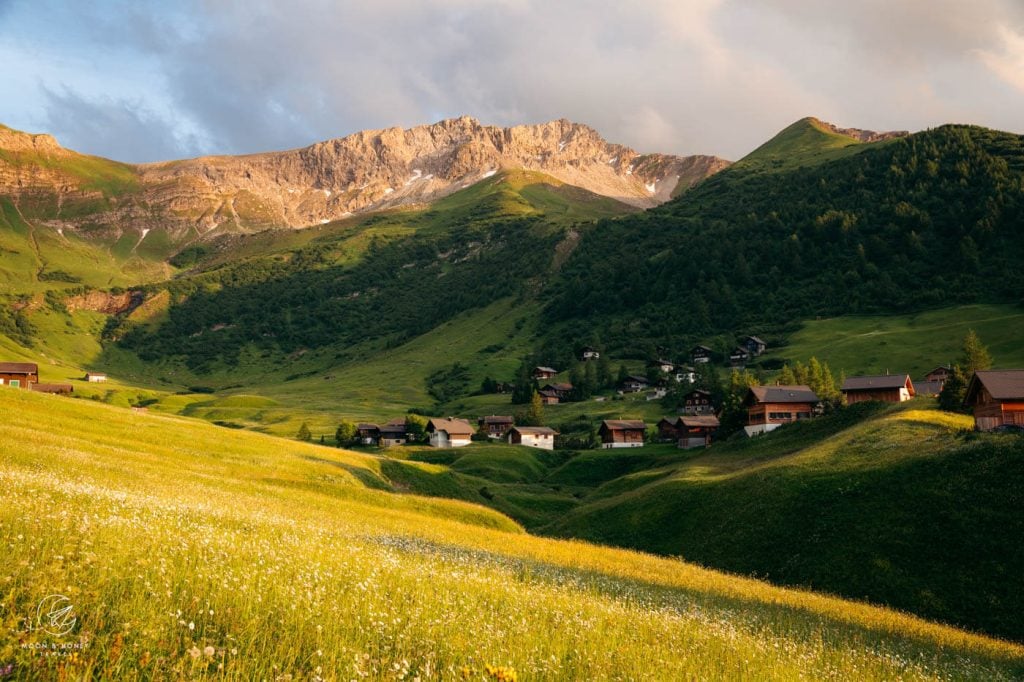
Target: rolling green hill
x,y
808,142
189,551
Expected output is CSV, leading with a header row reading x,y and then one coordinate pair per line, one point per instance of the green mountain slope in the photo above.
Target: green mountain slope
x,y
906,508
188,551
808,142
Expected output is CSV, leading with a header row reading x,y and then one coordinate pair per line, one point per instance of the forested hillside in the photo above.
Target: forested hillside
x,y
924,221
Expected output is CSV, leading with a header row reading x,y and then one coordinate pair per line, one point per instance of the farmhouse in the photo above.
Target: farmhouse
x,y
700,354
696,432
18,374
589,353
368,434
544,373
449,433
622,433
634,384
95,377
533,436
57,389
739,356
393,433
890,388
754,345
495,425
698,401
561,390
997,397
769,407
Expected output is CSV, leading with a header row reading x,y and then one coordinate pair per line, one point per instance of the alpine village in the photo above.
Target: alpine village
x,y
498,400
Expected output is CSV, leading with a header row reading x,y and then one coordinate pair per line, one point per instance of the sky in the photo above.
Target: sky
x,y
147,81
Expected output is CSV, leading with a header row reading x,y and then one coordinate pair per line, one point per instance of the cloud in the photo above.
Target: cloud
x,y
684,76
1008,64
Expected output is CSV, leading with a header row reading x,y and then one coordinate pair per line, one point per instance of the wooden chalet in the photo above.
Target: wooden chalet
x,y
688,431
940,374
450,432
56,389
393,433
544,373
533,436
634,383
622,433
997,398
562,389
496,426
739,356
589,353
18,374
890,388
698,401
95,377
700,354
769,407
754,345
549,397
367,433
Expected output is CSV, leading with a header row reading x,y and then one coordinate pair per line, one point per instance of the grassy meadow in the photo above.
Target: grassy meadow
x,y
193,552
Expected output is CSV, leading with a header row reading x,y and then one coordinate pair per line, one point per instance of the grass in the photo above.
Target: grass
x,y
901,505
805,143
194,552
915,343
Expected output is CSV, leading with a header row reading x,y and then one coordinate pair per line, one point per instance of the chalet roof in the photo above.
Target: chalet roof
x,y
547,394
700,347
870,383
707,420
19,368
783,394
535,430
53,388
623,424
561,386
552,370
393,428
454,427
366,426
698,391
946,369
740,350
927,387
95,374
1001,384
756,339
495,419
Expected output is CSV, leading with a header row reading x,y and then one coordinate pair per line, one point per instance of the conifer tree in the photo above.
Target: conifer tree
x,y
304,433
975,355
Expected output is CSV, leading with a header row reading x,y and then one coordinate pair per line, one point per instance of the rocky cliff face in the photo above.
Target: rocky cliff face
x,y
367,171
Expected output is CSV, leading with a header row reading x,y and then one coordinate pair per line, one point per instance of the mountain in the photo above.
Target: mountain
x,y
331,180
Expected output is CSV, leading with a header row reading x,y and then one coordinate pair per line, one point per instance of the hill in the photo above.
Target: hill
x,y
903,506
191,551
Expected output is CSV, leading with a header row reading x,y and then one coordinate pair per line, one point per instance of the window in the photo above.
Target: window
x,y
15,383
780,415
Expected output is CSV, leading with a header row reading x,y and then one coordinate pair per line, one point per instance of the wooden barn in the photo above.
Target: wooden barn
x,y
18,374
496,425
889,388
544,373
622,433
392,433
688,431
997,398
769,407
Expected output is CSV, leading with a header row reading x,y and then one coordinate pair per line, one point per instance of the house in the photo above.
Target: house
x,y
698,401
663,366
890,388
495,425
685,373
544,373
769,407
622,433
533,436
58,389
393,433
696,432
754,345
700,354
563,389
368,434
997,397
95,377
450,432
739,356
549,397
18,374
940,374
589,353
657,394
634,384
668,429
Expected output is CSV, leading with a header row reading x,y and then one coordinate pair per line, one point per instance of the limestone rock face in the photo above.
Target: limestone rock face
x,y
366,171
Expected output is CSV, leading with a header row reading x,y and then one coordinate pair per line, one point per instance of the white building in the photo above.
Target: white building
x,y
533,437
450,433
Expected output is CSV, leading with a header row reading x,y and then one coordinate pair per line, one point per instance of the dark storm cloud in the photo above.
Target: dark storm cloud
x,y
688,76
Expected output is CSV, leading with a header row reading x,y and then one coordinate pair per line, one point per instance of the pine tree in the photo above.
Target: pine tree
x,y
975,356
951,397
304,433
786,376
